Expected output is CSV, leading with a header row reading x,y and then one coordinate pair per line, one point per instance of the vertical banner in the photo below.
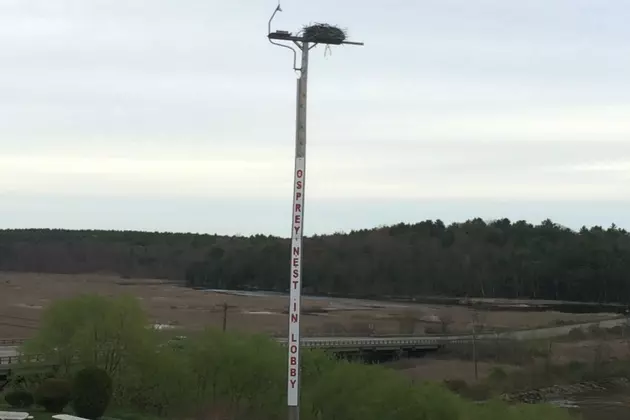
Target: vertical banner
x,y
295,287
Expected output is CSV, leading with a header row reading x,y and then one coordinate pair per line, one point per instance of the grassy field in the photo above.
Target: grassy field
x,y
178,309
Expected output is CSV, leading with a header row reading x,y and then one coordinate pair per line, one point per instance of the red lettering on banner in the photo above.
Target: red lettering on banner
x,y
296,260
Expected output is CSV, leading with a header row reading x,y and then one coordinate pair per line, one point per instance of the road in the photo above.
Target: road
x,y
417,342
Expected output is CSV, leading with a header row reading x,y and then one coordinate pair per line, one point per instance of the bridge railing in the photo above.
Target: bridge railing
x,y
281,337
19,359
363,343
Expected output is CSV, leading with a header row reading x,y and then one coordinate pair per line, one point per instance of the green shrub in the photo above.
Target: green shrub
x,y
477,392
19,399
92,392
457,386
497,374
27,381
245,377
53,395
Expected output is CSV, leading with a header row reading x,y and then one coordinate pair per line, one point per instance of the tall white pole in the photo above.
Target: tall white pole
x,y
297,224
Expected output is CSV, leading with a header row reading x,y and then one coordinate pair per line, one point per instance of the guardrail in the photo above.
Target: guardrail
x,y
19,359
367,342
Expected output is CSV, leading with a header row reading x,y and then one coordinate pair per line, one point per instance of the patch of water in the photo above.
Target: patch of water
x,y
340,303
163,327
260,313
27,306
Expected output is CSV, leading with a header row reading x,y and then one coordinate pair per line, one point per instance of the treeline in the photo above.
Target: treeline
x,y
475,258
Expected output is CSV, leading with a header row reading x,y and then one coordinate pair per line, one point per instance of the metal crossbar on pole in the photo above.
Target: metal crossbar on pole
x,y
297,212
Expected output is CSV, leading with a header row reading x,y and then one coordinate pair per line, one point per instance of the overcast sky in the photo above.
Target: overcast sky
x,y
179,115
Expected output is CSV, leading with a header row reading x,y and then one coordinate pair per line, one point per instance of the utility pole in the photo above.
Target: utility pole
x,y
225,309
475,318
305,40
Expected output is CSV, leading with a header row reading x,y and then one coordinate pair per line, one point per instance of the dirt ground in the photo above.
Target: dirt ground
x,y
584,351
437,370
589,350
23,296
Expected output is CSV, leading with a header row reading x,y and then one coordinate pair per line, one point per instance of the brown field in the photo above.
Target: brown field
x,y
584,351
430,369
23,296
587,350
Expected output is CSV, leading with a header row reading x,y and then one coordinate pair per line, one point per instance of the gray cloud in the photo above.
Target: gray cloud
x,y
485,100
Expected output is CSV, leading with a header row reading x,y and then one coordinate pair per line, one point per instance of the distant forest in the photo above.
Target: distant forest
x,y
475,258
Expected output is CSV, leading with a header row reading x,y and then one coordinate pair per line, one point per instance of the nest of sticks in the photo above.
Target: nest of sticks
x,y
322,33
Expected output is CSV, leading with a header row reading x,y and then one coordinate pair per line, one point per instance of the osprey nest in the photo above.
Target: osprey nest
x,y
322,33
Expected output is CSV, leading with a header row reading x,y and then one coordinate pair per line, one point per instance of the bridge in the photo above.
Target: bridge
x,y
369,348
375,347
347,346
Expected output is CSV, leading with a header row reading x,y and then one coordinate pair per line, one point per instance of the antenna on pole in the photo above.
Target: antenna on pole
x,y
271,39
